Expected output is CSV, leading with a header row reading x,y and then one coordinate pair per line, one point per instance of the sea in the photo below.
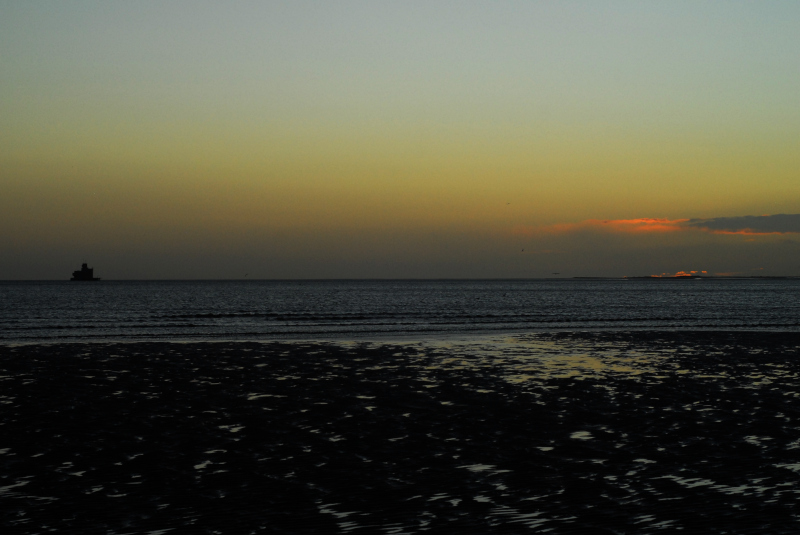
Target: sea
x,y
64,311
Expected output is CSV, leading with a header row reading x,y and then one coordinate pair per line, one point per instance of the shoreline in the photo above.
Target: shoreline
x,y
411,337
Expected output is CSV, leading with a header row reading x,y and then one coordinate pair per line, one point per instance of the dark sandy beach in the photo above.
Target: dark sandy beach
x,y
633,432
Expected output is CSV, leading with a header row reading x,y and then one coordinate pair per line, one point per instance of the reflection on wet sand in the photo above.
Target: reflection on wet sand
x,y
564,432
524,358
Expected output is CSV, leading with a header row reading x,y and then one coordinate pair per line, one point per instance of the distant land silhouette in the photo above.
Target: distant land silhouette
x,y
84,274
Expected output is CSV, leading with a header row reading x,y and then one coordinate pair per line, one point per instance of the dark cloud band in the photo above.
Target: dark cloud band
x,y
750,224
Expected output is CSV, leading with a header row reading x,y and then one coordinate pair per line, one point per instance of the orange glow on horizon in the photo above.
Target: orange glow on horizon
x,y
693,273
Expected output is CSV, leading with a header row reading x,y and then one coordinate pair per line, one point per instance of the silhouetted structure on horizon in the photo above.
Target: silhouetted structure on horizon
x,y
84,274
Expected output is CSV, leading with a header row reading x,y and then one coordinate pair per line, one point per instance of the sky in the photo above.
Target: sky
x,y
399,139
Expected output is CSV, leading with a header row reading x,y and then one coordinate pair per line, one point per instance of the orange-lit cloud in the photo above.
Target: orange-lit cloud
x,y
763,225
629,226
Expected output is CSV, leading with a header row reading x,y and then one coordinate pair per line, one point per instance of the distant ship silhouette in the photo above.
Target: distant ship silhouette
x,y
84,274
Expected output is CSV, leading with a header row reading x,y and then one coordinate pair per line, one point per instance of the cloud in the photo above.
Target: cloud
x,y
626,226
744,225
751,225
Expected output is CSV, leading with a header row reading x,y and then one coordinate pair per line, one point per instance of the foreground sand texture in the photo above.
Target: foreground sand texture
x,y
557,433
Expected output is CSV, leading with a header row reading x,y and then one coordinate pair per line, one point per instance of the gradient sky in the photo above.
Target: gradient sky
x,y
196,139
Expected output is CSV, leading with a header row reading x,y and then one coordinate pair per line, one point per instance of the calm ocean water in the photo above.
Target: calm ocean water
x,y
258,310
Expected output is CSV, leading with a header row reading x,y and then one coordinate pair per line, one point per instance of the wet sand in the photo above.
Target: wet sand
x,y
633,432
